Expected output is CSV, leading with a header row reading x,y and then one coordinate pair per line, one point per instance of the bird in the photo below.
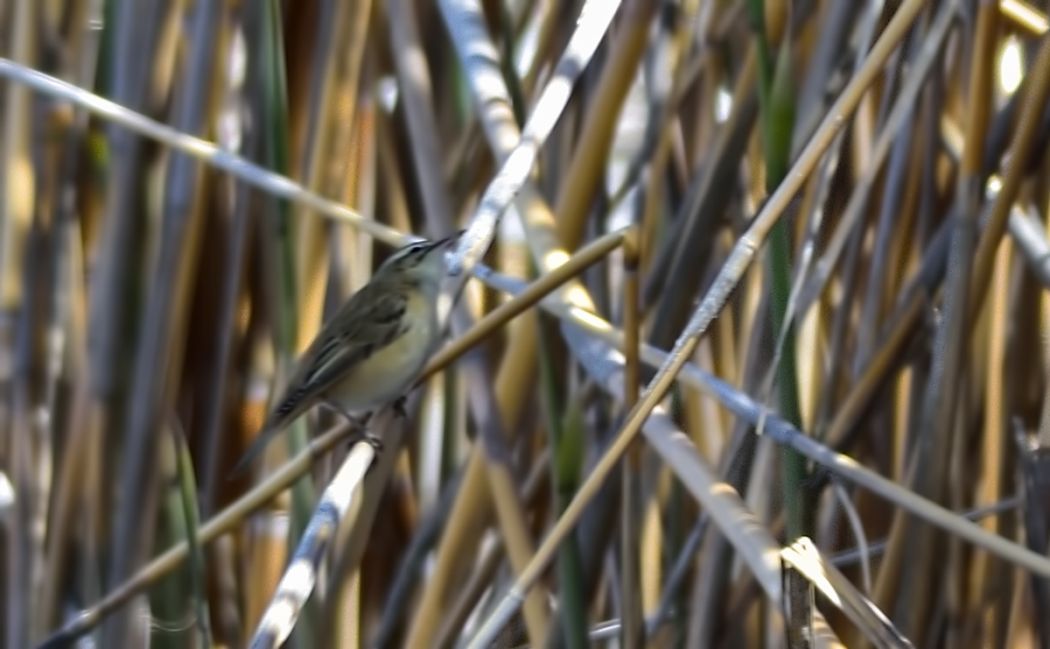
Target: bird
x,y
368,353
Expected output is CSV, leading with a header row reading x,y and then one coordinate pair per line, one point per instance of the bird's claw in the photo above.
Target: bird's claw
x,y
374,442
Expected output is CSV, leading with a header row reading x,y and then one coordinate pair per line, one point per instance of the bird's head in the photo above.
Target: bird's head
x,y
421,263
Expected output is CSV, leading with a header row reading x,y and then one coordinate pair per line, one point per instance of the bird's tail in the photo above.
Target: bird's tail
x,y
262,440
289,407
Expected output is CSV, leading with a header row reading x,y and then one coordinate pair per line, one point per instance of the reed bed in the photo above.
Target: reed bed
x,y
748,347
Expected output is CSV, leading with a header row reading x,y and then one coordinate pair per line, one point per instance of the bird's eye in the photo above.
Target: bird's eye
x,y
411,250
413,253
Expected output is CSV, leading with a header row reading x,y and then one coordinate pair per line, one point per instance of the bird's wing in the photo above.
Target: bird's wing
x,y
367,322
366,328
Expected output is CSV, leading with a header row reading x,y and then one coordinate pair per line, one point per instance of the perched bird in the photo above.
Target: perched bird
x,y
367,354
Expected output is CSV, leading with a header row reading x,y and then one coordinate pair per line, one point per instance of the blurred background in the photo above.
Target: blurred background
x,y
867,180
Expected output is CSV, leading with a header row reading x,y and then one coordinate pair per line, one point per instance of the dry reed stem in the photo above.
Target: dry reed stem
x,y
889,262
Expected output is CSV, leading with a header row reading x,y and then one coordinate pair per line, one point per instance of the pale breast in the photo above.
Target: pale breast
x,y
385,375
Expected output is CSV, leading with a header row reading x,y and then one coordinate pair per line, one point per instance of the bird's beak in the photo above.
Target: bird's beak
x,y
446,242
449,244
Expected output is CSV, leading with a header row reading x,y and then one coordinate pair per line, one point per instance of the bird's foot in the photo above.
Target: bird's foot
x,y
374,442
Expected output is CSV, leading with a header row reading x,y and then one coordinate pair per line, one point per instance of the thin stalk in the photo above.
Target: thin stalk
x,y
984,568
265,43
299,578
136,31
776,108
23,547
66,338
187,492
939,415
417,97
588,163
633,630
216,379
17,181
566,439
776,104
303,274
273,179
157,368
1025,16
1035,92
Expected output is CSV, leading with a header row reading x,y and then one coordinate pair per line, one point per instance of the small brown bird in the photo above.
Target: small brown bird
x,y
367,354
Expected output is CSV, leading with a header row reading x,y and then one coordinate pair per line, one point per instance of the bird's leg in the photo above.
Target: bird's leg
x,y
359,422
399,407
362,420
